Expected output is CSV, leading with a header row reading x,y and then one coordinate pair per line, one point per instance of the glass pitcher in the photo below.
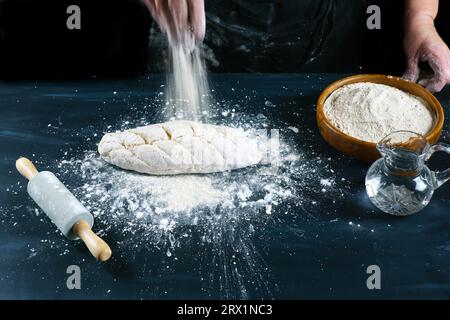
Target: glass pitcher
x,y
400,183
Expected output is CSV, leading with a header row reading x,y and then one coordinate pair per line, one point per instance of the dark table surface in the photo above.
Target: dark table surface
x,y
322,253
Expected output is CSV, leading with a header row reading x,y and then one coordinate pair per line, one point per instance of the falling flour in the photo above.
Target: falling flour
x,y
370,111
187,89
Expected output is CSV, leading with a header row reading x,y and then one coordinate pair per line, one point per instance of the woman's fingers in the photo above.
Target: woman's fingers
x,y
434,84
438,57
197,18
161,14
166,20
154,4
412,71
440,63
179,11
182,20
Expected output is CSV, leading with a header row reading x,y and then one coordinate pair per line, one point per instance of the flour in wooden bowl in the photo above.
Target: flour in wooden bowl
x,y
369,111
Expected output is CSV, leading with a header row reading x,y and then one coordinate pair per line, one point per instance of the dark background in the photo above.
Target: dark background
x,y
318,252
119,38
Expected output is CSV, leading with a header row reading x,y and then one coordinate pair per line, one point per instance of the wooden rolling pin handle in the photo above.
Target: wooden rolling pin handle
x,y
26,168
99,248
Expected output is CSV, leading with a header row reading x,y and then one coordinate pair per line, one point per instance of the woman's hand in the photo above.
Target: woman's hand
x,y
422,43
182,20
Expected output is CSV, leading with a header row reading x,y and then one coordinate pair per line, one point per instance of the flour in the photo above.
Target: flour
x,y
187,89
144,195
326,182
369,111
156,206
294,129
116,193
215,224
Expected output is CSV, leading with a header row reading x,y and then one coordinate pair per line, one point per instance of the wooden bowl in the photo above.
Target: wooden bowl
x,y
363,150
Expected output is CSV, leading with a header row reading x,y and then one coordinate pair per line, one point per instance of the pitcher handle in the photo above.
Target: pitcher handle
x,y
439,177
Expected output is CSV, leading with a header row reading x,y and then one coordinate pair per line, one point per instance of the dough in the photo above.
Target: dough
x,y
179,147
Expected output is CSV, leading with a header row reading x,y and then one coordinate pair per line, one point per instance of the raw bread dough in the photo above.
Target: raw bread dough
x,y
179,147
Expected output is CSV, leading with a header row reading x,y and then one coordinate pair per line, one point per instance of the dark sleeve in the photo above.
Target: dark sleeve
x,y
302,36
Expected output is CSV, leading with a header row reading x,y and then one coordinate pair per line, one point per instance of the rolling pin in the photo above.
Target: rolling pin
x,y
61,206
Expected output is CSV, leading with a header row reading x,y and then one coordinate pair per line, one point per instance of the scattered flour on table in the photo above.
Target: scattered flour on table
x,y
326,182
208,221
370,111
116,192
294,129
154,205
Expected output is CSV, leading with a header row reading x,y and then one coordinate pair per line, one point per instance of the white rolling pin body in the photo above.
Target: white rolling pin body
x,y
58,203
